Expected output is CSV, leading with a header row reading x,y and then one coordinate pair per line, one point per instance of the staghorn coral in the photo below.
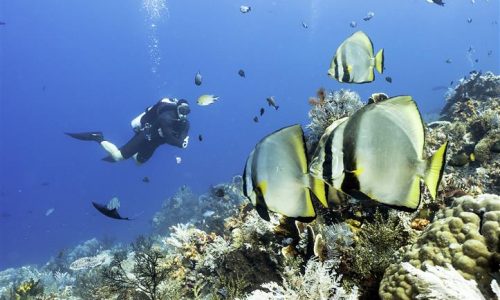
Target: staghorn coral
x,y
336,105
464,235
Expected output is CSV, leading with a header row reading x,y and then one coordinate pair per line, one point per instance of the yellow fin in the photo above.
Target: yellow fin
x,y
319,189
435,166
413,198
262,186
379,61
349,69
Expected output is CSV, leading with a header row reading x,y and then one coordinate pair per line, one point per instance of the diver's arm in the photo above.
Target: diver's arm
x,y
176,137
136,122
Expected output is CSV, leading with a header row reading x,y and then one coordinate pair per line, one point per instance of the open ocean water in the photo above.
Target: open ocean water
x,y
72,66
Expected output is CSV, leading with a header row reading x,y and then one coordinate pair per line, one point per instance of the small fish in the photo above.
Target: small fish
x,y
438,2
208,213
490,52
2,23
200,137
388,79
145,179
261,111
354,60
451,82
241,72
304,25
45,183
205,100
353,24
244,9
448,61
197,78
369,16
49,211
43,88
256,119
178,159
272,102
470,50
469,20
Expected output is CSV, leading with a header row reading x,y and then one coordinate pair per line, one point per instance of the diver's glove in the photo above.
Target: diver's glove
x,y
186,142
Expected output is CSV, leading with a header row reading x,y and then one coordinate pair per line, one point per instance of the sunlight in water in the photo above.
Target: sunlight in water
x,y
155,9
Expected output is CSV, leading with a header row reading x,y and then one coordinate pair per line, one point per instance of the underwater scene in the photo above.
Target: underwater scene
x,y
258,149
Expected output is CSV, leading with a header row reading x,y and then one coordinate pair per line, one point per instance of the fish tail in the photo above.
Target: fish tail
x,y
319,189
379,61
434,170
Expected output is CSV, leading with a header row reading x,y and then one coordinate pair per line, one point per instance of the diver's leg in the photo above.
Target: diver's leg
x,y
113,151
145,153
134,145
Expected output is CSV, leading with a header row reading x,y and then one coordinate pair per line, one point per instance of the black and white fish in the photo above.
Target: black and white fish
x,y
275,176
350,156
354,60
197,78
244,9
349,159
272,102
438,2
369,16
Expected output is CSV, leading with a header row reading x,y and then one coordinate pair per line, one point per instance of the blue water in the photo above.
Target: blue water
x,y
79,66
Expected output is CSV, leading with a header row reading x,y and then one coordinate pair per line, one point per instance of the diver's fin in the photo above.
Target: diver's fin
x,y
379,61
434,171
87,136
108,158
110,213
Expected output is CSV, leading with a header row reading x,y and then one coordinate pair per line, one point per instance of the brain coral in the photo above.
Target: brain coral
x,y
464,235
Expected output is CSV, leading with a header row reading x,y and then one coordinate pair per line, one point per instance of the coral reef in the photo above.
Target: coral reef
x,y
206,211
215,245
464,236
471,122
330,107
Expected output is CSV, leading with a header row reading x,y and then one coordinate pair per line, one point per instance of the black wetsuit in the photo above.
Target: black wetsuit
x,y
159,125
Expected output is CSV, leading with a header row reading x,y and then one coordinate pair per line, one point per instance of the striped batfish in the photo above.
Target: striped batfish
x,y
276,176
354,60
377,154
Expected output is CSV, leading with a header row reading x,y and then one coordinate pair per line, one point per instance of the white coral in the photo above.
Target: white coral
x,y
442,283
318,282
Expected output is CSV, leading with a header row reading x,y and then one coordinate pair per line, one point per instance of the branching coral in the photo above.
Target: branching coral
x,y
147,273
336,105
319,281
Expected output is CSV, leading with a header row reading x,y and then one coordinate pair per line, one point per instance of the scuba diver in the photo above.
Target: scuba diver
x,y
164,123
